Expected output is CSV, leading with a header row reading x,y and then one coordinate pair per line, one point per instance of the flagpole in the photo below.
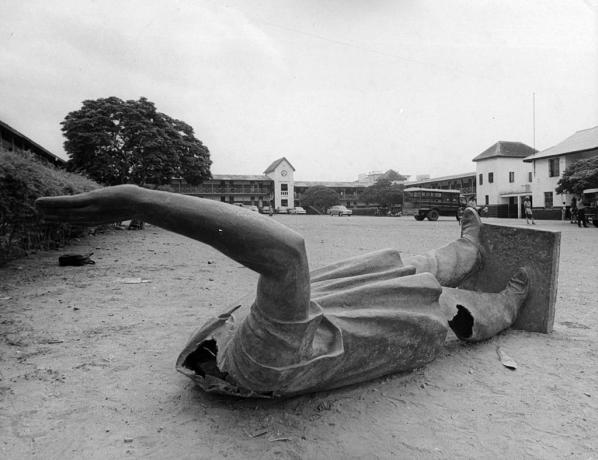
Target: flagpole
x,y
534,117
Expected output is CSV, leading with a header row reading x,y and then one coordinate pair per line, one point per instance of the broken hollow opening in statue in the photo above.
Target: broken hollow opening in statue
x,y
373,316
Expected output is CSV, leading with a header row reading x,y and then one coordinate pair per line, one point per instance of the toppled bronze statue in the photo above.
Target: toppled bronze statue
x,y
304,331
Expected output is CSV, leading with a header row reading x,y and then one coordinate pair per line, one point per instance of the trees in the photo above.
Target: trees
x,y
384,193
116,142
320,197
392,175
581,175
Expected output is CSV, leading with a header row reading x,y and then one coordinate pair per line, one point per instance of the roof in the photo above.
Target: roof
x,y
420,189
586,139
439,179
330,184
506,149
275,164
37,149
240,177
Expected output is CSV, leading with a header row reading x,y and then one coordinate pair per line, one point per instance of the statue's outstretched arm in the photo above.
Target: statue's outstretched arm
x,y
276,252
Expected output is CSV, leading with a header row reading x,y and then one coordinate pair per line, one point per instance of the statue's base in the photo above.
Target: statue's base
x,y
504,251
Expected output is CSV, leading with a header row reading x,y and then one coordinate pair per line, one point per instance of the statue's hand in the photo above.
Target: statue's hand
x,y
106,205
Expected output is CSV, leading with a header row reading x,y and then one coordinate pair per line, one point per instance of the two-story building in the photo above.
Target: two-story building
x,y
503,179
465,183
276,188
548,165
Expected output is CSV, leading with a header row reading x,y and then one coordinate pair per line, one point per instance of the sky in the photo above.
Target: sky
x,y
338,87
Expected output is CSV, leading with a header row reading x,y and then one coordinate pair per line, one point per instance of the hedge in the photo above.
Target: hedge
x,y
23,178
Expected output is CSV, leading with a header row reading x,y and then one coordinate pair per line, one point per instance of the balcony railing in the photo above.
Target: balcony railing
x,y
215,189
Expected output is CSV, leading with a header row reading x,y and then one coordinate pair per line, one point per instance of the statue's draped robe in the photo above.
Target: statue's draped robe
x,y
369,316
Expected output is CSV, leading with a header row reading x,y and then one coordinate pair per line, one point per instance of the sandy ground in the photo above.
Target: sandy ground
x,y
88,362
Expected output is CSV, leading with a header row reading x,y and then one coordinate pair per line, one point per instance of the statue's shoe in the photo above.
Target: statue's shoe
x,y
471,225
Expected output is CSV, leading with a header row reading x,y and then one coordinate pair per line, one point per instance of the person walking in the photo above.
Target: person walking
x,y
581,213
527,205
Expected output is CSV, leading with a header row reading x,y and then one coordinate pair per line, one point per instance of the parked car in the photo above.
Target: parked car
x,y
282,210
340,211
265,210
297,210
253,208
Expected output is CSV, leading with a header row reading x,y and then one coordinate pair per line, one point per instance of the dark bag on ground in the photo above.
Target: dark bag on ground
x,y
75,260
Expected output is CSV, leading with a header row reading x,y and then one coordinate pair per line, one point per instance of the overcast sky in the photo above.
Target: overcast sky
x,y
339,87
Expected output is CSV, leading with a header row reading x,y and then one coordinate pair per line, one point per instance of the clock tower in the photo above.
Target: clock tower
x,y
281,172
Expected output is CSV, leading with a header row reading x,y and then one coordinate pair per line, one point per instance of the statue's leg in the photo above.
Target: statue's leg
x,y
452,263
475,316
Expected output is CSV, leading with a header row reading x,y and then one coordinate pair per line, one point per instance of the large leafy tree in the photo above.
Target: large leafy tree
x,y
581,175
320,197
392,176
384,193
115,142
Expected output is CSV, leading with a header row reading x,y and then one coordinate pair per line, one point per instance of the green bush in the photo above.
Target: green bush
x,y
22,180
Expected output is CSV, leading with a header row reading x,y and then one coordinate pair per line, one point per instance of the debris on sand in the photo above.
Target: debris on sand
x,y
505,359
134,281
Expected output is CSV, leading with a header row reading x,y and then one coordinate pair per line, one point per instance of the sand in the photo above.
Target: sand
x,y
88,361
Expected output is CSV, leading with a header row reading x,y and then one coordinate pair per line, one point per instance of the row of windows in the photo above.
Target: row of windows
x,y
511,177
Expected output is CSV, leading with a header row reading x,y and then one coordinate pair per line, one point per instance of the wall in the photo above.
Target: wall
x,y
544,183
501,166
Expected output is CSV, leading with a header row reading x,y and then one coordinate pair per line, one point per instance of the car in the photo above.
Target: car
x,y
339,211
297,210
253,208
265,210
282,210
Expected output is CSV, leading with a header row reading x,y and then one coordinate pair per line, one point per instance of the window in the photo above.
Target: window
x,y
487,200
511,176
490,177
284,187
481,179
529,176
284,202
553,167
548,200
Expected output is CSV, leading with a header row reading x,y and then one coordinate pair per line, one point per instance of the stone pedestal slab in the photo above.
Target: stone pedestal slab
x,y
506,249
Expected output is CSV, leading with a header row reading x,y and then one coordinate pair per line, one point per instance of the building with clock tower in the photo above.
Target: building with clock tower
x,y
276,188
282,172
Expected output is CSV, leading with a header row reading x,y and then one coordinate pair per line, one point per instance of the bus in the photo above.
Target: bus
x,y
431,203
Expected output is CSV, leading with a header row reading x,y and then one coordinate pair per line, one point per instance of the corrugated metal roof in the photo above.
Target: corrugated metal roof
x,y
586,139
275,163
506,149
41,150
438,179
240,177
330,184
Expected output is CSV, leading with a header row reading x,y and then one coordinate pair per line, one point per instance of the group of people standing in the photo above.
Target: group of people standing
x,y
578,211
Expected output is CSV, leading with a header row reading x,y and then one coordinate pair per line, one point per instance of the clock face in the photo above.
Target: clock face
x,y
283,173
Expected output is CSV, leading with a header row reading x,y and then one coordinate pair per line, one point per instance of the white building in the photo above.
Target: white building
x,y
503,179
370,178
282,172
548,166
